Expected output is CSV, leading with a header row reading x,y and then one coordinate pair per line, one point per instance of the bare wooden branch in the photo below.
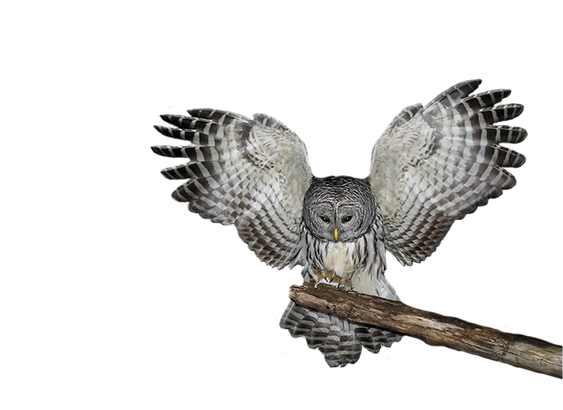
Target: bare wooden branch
x,y
437,330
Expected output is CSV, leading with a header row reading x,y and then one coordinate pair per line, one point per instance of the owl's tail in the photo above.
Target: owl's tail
x,y
338,340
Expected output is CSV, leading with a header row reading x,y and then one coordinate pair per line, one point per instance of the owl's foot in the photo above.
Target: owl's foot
x,y
328,277
323,281
345,284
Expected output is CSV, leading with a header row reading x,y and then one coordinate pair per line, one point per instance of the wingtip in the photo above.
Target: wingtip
x,y
158,150
474,83
523,134
520,160
167,132
177,195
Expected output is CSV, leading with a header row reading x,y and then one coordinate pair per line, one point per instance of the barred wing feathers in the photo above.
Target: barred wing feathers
x,y
435,164
252,173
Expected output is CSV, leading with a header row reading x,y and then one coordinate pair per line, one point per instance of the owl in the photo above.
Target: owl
x,y
433,165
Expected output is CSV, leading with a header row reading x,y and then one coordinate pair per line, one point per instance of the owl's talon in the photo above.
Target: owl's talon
x,y
330,277
322,281
344,287
345,284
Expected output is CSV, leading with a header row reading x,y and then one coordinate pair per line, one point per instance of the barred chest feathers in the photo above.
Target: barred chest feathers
x,y
357,265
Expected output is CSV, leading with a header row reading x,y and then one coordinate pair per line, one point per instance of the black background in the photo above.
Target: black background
x,y
211,307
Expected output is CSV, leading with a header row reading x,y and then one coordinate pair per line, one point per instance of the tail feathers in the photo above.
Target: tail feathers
x,y
372,338
338,340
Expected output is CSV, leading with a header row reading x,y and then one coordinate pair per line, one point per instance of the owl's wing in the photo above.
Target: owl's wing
x,y
437,163
249,172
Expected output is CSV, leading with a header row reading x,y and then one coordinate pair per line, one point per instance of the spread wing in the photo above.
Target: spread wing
x,y
435,164
249,172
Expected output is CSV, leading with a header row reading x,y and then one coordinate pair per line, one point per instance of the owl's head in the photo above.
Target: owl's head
x,y
339,208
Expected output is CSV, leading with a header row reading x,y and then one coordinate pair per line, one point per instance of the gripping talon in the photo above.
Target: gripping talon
x,y
330,277
322,281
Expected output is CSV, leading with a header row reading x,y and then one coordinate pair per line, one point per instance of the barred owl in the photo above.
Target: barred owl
x,y
431,167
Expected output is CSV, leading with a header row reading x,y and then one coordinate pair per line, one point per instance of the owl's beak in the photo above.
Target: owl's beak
x,y
336,234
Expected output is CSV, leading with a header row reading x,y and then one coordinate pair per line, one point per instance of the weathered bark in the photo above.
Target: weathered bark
x,y
437,330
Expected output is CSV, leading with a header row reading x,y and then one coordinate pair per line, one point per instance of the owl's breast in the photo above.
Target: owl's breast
x,y
357,265
339,258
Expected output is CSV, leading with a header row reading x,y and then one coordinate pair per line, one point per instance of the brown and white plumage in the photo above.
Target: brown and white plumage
x,y
432,166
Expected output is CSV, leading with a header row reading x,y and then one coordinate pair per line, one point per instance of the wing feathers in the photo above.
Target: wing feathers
x,y
500,113
241,171
193,153
505,133
270,122
169,151
404,116
195,137
453,95
442,164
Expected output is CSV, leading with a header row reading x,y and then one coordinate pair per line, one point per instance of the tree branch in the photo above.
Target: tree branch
x,y
437,330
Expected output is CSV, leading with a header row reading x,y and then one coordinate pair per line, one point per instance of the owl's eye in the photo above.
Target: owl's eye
x,y
346,219
324,219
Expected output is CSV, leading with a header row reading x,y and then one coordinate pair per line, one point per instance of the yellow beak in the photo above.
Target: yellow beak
x,y
336,234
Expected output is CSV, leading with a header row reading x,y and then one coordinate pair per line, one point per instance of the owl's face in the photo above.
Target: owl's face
x,y
339,208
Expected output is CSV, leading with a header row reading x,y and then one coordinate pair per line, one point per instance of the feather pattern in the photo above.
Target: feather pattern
x,y
432,166
340,341
438,165
249,172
